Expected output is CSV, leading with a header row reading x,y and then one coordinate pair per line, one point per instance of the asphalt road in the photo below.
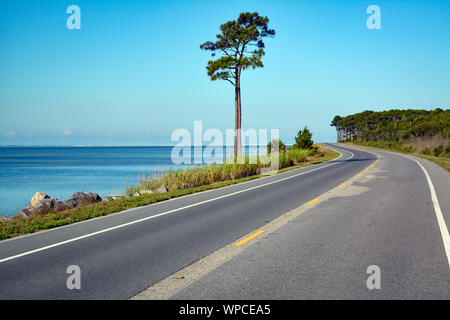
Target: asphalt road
x,y
385,219
321,254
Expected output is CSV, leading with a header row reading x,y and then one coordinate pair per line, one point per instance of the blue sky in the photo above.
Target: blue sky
x,y
134,72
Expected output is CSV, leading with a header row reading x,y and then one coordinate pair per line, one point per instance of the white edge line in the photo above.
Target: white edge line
x,y
164,201
161,214
437,209
161,202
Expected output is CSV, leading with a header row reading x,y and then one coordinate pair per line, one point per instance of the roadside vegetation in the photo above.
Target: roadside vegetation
x,y
178,183
418,132
205,175
249,166
442,159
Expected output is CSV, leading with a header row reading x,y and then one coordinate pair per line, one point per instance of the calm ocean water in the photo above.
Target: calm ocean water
x,y
61,171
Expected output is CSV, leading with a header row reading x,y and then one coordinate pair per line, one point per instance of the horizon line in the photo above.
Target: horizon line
x,y
118,145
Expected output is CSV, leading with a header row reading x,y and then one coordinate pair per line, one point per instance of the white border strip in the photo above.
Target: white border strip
x,y
160,214
437,209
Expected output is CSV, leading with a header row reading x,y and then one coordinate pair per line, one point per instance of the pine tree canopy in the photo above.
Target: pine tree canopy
x,y
240,46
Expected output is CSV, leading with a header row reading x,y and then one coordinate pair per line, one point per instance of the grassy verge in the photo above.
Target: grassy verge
x,y
50,220
207,174
444,162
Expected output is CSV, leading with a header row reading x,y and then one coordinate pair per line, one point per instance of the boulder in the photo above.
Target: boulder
x,y
82,198
3,219
114,197
87,195
38,196
61,206
44,206
161,189
71,203
141,192
22,214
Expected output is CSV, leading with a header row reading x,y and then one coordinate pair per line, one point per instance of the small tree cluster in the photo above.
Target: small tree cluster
x,y
303,140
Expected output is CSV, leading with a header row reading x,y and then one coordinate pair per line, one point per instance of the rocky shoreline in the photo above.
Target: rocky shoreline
x,y
42,203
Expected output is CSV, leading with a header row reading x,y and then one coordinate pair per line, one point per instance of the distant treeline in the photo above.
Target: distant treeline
x,y
393,125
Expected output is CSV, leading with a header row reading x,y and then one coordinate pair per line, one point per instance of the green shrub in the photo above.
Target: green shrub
x,y
303,139
438,150
314,150
285,160
299,155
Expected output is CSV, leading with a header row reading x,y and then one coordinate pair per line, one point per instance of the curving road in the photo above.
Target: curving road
x,y
390,221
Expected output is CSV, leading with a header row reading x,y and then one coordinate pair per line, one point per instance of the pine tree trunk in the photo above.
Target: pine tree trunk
x,y
237,101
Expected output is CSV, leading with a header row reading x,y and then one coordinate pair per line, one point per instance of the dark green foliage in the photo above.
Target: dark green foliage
x,y
335,121
394,125
438,150
303,139
240,45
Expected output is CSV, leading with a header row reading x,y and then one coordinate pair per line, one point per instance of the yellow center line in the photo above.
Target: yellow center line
x,y
342,185
313,201
247,239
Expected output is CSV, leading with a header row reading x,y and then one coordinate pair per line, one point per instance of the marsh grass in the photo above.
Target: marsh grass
x,y
179,183
192,177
